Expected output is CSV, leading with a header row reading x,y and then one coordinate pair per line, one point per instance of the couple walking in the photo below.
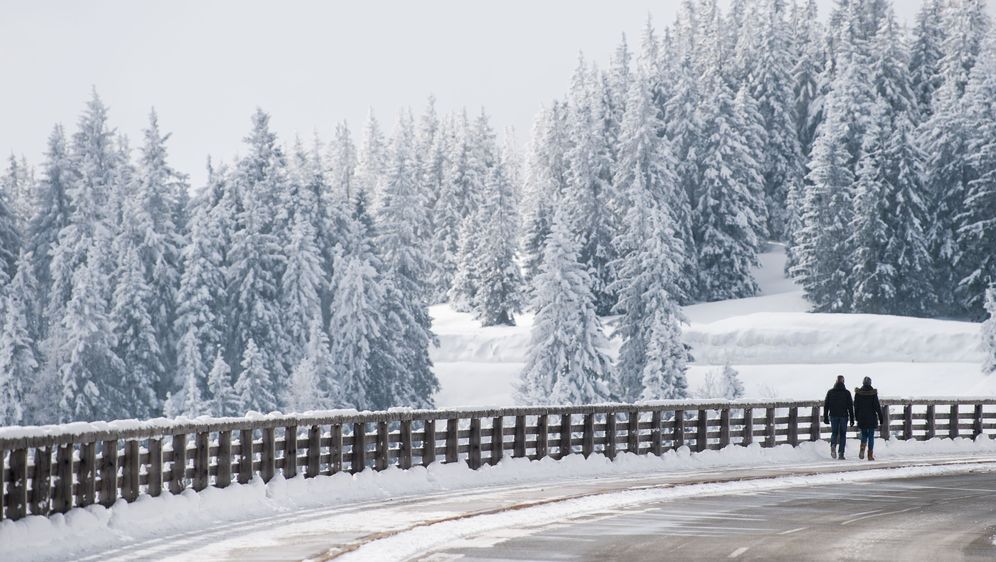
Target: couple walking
x,y
839,409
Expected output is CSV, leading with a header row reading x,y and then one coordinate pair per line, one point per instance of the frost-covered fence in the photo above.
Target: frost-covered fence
x,y
55,468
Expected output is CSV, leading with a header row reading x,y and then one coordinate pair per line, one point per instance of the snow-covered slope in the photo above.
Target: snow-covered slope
x,y
780,349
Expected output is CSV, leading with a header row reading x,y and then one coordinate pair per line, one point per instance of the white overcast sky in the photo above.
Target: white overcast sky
x,y
206,65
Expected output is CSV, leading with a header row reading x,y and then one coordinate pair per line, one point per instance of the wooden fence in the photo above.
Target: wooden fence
x,y
56,469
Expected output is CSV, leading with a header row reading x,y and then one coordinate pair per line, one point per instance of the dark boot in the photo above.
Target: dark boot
x,y
861,453
871,455
833,451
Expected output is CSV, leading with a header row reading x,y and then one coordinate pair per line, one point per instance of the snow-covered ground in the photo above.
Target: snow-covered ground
x,y
296,517
779,348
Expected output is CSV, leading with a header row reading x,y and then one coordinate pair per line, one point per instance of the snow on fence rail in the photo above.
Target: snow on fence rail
x,y
52,469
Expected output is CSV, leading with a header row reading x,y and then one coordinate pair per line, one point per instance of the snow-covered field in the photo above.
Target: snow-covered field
x,y
779,348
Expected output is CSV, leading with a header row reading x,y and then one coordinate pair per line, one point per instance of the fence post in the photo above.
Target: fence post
x,y
335,449
452,441
314,451
405,445
155,469
224,476
724,427
17,486
245,455
908,422
108,472
977,424
953,422
886,425
565,435
179,466
202,444
519,444
542,435
610,435
383,445
678,439
497,440
588,437
359,461
474,444
86,475
130,473
702,435
769,427
930,421
633,432
290,451
268,455
814,424
793,429
655,433
748,436
41,483
62,496
428,442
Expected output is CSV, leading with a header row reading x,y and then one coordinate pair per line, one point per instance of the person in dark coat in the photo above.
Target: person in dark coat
x,y
838,409
868,412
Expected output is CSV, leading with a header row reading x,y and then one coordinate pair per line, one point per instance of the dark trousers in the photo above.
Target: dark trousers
x,y
838,433
868,436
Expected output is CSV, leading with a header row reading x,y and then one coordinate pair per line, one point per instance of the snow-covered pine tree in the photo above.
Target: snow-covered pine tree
x,y
889,69
989,333
667,359
254,387
499,290
52,212
405,267
463,177
222,399
90,373
587,196
545,181
566,362
977,229
821,248
925,54
193,404
722,384
966,25
892,265
257,261
771,85
313,384
810,59
200,328
342,161
17,184
18,347
136,341
463,292
372,160
300,289
644,180
10,239
726,226
360,326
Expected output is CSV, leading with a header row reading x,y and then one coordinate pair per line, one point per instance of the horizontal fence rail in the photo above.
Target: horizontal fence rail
x,y
53,469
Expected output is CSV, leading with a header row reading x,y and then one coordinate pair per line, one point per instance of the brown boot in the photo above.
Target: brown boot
x,y
861,453
871,455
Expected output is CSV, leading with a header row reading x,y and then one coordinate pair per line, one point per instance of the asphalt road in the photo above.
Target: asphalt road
x,y
933,518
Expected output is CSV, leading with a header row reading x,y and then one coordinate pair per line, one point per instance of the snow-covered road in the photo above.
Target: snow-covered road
x,y
397,514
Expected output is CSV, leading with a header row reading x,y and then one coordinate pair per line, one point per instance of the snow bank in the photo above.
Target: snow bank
x,y
772,338
96,528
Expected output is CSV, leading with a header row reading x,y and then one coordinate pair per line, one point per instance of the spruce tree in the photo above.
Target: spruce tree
x,y
545,181
925,54
222,400
18,348
566,361
313,383
300,289
254,387
499,293
664,372
988,332
137,343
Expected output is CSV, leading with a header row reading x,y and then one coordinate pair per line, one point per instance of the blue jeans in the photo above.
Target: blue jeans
x,y
838,433
868,436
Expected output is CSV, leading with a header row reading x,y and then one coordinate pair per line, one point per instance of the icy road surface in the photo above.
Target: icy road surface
x,y
463,524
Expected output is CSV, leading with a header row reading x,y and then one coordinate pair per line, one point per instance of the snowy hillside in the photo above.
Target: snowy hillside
x,y
780,349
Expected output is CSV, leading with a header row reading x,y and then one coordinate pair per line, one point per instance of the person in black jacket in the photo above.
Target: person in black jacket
x,y
838,409
868,412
